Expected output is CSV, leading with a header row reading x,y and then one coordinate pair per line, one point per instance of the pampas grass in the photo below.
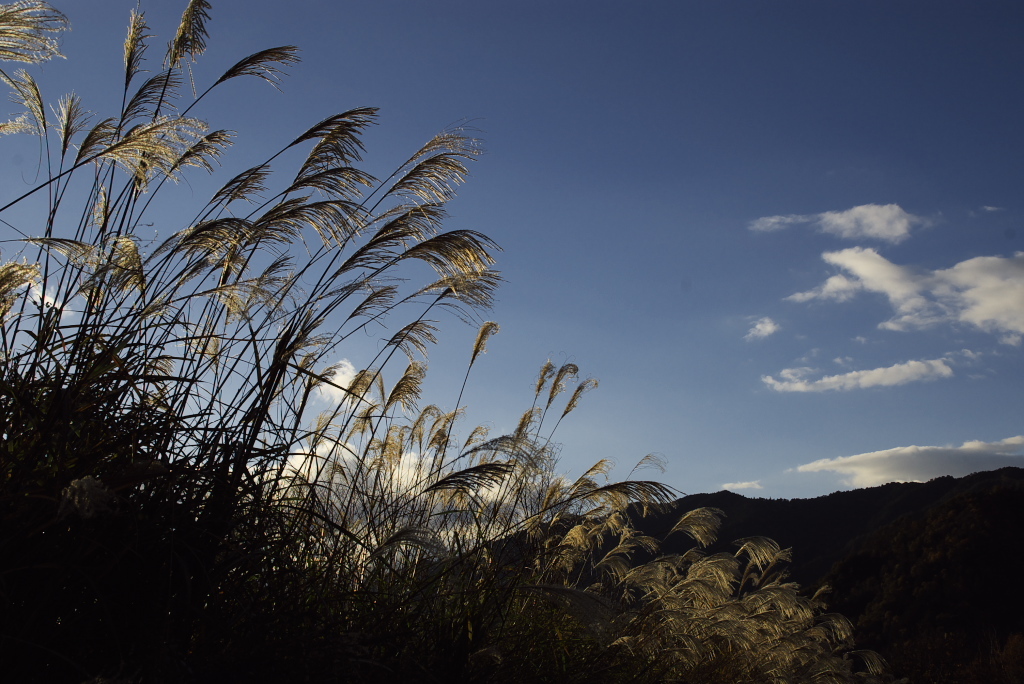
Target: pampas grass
x,y
175,508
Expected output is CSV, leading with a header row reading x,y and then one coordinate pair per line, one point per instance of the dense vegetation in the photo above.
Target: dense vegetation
x,y
175,507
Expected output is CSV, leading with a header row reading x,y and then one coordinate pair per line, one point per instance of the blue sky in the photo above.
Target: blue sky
x,y
783,235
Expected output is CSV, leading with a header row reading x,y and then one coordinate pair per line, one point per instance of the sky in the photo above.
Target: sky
x,y
785,236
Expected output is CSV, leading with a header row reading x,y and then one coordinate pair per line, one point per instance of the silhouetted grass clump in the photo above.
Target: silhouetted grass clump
x,y
175,508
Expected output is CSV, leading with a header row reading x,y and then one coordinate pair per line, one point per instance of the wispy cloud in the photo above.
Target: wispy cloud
x,y
984,292
921,463
767,224
733,486
796,379
887,222
761,329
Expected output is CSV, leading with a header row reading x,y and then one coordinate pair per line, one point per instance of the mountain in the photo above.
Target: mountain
x,y
925,571
823,530
937,592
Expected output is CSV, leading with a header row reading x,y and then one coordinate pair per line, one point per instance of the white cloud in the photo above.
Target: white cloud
x,y
838,287
68,311
335,463
1012,339
984,292
795,379
761,329
796,374
872,272
771,223
344,374
887,222
921,463
990,209
882,222
732,486
315,465
987,292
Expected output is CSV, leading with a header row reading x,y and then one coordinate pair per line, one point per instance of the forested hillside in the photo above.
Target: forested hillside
x,y
935,591
924,570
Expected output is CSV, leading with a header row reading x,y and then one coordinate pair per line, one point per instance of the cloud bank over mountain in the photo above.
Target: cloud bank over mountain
x,y
921,463
735,486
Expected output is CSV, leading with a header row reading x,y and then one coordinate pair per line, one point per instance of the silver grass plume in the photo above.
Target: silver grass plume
x,y
27,30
